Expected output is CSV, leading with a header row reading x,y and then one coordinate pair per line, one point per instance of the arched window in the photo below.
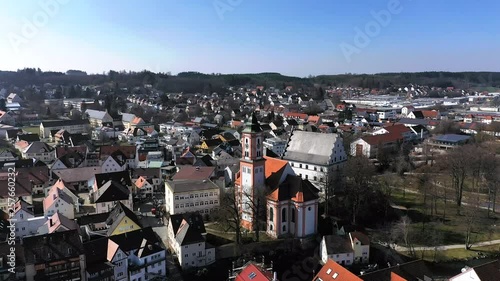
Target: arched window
x,y
271,227
271,214
293,214
283,215
284,228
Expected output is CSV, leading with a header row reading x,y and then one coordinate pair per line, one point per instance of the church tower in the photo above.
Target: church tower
x,y
251,187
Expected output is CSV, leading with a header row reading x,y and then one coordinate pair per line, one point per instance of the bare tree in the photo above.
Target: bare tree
x,y
256,204
402,230
492,179
359,172
458,164
228,213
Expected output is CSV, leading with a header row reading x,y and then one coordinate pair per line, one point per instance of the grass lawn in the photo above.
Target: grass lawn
x,y
460,254
32,130
445,219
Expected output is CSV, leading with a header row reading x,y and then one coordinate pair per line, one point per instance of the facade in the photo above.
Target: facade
x,y
72,126
55,256
40,151
97,118
369,146
337,248
315,156
183,196
276,145
57,201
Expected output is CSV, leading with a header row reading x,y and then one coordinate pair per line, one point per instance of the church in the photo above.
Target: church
x,y
291,202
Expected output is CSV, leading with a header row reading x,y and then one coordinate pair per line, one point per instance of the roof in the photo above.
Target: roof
x,y
145,172
331,269
63,150
55,193
122,177
194,173
132,240
29,137
23,205
58,220
382,139
72,159
38,147
397,129
112,191
252,272
107,150
365,240
252,125
127,117
58,244
118,213
315,148
77,174
147,249
62,123
296,189
488,271
23,185
451,138
93,218
96,250
188,227
96,114
337,244
191,185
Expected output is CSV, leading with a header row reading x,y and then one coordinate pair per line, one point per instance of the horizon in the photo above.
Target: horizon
x,y
295,39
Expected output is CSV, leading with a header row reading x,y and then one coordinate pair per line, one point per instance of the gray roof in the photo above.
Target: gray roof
x,y
451,138
309,147
191,185
38,146
96,114
337,244
77,174
127,117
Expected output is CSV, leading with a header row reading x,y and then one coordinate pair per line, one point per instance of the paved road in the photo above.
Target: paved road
x,y
447,247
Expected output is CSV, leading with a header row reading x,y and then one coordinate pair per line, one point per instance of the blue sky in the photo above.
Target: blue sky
x,y
247,36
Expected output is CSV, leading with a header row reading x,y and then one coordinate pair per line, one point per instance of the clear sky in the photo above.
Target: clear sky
x,y
247,36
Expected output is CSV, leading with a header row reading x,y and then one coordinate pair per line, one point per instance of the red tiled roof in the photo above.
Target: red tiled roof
x,y
107,150
302,116
313,119
395,277
331,269
430,113
253,273
63,150
381,139
397,129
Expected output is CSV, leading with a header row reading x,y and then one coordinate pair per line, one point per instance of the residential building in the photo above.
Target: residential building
x,y
186,237
40,151
185,195
98,268
371,146
58,201
72,126
111,193
315,156
57,223
276,145
26,222
448,141
115,162
98,118
54,256
23,189
7,118
360,243
337,248
255,272
79,179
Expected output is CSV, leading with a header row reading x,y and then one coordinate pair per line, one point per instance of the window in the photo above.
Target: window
x,y
211,202
206,202
307,166
315,178
201,203
176,206
271,214
186,255
196,203
182,205
206,194
216,201
211,194
191,196
283,215
300,165
284,228
293,215
196,195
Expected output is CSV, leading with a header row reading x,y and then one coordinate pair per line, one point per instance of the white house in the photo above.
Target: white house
x,y
58,201
484,272
276,145
26,223
114,163
315,156
40,151
360,243
97,117
186,237
337,248
369,146
110,193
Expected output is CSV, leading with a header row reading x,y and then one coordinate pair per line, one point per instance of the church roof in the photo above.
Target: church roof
x,y
252,125
296,189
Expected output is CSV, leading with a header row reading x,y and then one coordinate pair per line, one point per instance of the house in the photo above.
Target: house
x,y
54,256
98,118
489,271
40,151
424,114
121,220
337,248
276,145
57,223
209,144
7,155
6,117
360,243
23,189
74,159
253,271
398,129
109,194
186,237
97,265
315,156
137,255
369,146
407,109
115,162
58,201
129,153
13,98
26,222
188,195
334,271
448,141
153,174
72,126
77,178
69,191
144,187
